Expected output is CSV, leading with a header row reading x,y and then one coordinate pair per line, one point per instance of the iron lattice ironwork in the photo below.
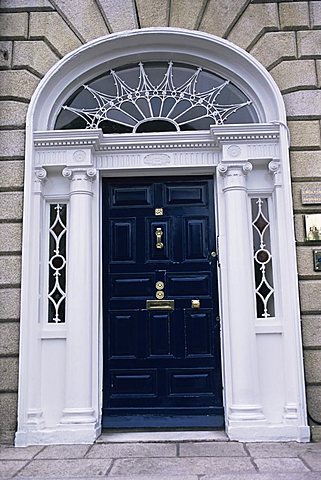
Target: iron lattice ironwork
x,y
179,105
57,263
262,258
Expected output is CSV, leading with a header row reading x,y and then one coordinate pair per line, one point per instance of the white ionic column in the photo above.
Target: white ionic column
x,y
35,419
245,399
78,400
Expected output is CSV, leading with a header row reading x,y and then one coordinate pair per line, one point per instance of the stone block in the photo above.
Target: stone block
x,y
14,25
181,466
280,465
219,15
133,450
153,13
212,449
59,452
305,261
304,103
10,206
299,228
296,74
85,17
315,434
9,373
318,65
24,5
312,363
305,133
309,44
52,26
313,460
8,417
306,164
315,11
13,114
34,54
120,15
10,268
10,237
310,297
11,174
272,450
9,303
273,47
5,54
251,25
186,14
62,468
314,401
294,16
17,84
311,328
12,143
26,453
9,339
9,468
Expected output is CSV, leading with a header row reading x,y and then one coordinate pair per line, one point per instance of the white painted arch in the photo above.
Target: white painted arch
x,y
51,407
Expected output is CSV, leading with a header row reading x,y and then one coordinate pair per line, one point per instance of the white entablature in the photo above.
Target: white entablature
x,y
262,359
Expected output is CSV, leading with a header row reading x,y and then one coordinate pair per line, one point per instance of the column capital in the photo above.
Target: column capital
x,y
234,169
79,173
40,178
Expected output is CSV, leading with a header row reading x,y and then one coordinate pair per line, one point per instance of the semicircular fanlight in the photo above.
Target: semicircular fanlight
x,y
156,97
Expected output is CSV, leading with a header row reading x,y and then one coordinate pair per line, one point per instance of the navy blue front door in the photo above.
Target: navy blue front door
x,y
161,329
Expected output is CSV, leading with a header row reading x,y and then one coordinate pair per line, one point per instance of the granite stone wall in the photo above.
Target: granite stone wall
x,y
285,36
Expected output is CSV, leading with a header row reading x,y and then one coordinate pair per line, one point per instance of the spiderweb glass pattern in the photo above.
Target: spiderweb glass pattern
x,y
156,97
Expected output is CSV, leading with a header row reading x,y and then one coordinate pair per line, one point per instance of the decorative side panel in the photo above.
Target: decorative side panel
x,y
122,240
262,258
131,196
123,335
198,333
196,235
57,263
160,334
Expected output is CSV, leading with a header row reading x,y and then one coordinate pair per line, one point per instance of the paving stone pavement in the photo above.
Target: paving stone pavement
x,y
174,460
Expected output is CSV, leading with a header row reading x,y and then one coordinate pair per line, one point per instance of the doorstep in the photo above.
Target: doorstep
x,y
162,436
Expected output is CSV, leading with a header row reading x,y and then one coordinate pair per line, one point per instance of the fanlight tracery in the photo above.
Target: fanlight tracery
x,y
181,99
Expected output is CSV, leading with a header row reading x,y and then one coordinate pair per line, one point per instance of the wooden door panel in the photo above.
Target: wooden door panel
x,y
160,363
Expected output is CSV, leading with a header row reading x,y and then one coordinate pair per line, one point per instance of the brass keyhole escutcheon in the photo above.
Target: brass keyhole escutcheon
x,y
159,285
196,304
159,233
160,294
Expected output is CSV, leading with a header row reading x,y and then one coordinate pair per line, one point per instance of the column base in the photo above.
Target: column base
x,y
269,433
35,419
291,412
241,413
60,434
78,416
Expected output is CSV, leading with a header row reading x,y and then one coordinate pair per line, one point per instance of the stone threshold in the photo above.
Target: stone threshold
x,y
162,436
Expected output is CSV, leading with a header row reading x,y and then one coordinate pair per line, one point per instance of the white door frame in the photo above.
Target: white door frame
x,y
262,358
